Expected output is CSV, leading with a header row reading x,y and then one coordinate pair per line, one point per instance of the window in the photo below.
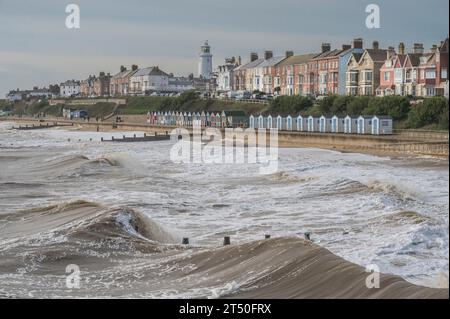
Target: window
x,y
444,73
387,76
398,75
430,74
368,76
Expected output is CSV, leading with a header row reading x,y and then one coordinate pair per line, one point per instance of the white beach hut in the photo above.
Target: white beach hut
x,y
269,122
364,125
279,125
350,125
289,124
382,125
251,121
337,124
260,122
299,123
313,124
325,124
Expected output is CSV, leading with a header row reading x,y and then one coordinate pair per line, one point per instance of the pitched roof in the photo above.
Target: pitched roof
x,y
150,71
272,61
252,64
297,59
124,74
414,58
377,55
329,54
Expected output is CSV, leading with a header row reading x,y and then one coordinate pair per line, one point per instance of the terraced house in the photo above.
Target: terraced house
x,y
243,74
324,70
294,74
363,71
148,79
120,83
265,72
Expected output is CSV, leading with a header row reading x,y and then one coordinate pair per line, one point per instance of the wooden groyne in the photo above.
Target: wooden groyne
x,y
133,139
41,126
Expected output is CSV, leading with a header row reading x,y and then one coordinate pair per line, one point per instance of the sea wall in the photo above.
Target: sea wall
x,y
404,143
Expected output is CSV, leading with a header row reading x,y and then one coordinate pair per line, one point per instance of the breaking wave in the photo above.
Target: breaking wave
x,y
124,253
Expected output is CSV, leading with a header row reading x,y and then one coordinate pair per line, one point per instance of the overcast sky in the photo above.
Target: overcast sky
x,y
37,49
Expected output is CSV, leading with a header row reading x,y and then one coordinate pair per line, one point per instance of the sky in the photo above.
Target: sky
x,y
36,48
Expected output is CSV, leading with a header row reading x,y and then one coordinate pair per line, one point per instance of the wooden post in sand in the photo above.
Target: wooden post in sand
x,y
307,236
226,241
185,241
267,236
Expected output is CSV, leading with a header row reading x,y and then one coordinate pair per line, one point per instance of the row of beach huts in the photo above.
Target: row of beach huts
x,y
372,125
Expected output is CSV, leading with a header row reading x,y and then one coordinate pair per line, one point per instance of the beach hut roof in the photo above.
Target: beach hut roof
x,y
382,117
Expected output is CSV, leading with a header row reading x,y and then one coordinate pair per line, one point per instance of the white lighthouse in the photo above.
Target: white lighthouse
x,y
205,61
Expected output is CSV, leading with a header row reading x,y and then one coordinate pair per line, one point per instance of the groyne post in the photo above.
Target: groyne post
x,y
226,241
185,241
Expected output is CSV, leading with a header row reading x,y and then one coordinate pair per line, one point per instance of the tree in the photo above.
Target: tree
x,y
340,104
430,111
397,107
289,105
326,104
357,105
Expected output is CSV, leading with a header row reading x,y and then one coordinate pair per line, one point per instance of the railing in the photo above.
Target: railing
x,y
256,101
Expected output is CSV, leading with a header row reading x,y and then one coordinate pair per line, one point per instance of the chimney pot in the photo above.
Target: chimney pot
x,y
346,47
375,45
401,48
326,47
358,43
253,56
268,55
289,54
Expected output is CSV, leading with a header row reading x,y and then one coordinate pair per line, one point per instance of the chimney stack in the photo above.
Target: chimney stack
x,y
289,54
122,68
239,60
434,48
375,45
346,47
253,56
326,47
390,52
401,48
358,43
418,48
134,67
268,55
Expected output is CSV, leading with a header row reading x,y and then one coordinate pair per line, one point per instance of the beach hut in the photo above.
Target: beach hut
x,y
289,125
269,122
350,125
208,119
251,121
313,124
218,120
224,119
382,125
203,118
337,124
213,119
325,124
260,121
279,125
364,125
299,123
236,118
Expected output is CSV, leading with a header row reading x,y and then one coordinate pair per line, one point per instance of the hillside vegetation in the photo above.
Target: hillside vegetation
x,y
428,113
